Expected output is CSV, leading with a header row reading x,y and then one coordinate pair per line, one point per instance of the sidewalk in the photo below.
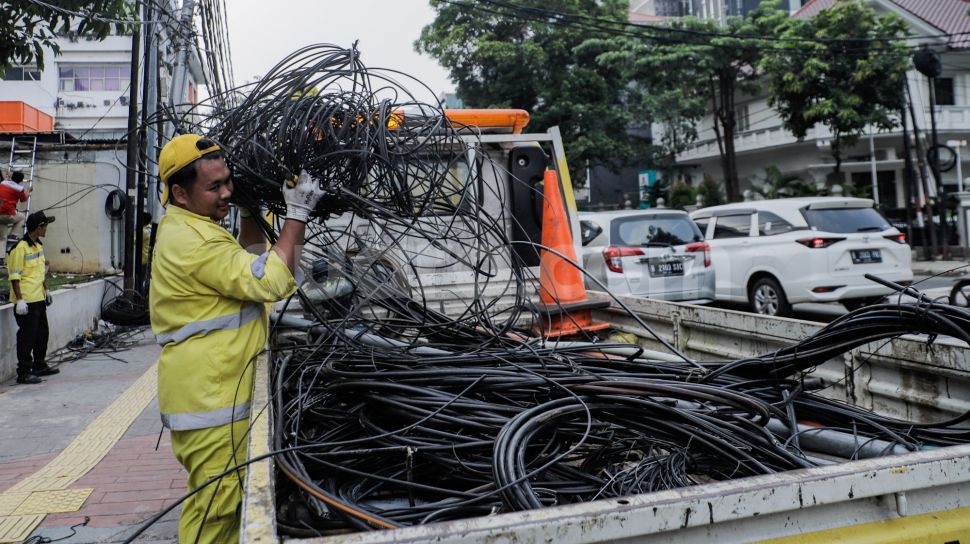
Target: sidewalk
x,y
53,436
945,268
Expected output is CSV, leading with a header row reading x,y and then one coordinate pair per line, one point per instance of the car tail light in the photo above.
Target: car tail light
x,y
613,256
898,238
818,243
827,289
701,246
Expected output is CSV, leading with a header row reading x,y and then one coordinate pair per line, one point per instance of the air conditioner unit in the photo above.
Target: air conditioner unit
x,y
123,100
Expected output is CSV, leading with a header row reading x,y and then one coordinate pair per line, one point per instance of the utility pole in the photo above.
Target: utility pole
x,y
131,260
872,169
921,163
927,62
176,95
147,146
910,182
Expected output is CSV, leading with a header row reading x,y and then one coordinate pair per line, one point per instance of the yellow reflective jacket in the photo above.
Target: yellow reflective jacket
x,y
27,265
208,311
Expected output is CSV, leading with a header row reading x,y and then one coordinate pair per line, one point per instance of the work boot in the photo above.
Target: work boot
x,y
46,371
30,378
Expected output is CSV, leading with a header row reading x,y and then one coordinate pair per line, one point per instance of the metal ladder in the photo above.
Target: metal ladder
x,y
23,156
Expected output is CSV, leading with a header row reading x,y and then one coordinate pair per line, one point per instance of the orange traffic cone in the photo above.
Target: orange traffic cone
x,y
564,307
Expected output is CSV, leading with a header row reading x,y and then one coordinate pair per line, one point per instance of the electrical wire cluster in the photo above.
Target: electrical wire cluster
x,y
353,128
377,434
105,342
399,398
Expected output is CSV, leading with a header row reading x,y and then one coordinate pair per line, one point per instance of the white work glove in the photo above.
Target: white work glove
x,y
301,196
21,308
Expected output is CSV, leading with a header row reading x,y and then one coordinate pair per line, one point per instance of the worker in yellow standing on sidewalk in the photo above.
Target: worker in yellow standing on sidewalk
x,y
207,301
28,292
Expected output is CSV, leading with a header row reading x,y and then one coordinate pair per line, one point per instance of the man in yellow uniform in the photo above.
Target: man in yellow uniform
x,y
208,310
28,291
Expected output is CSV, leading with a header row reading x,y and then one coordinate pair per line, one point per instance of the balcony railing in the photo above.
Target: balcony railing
x,y
948,119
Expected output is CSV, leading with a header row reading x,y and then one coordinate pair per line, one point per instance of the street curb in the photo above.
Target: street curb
x,y
943,273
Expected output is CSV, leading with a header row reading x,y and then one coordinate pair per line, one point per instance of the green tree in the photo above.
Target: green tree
x,y
503,58
26,27
844,69
681,194
779,185
697,66
711,192
656,92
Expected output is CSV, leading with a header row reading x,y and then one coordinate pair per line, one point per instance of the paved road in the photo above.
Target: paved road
x,y
932,286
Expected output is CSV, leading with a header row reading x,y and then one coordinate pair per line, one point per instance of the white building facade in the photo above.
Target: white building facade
x,y
86,89
878,158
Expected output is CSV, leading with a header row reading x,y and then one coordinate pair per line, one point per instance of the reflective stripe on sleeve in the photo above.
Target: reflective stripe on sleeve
x,y
249,312
17,272
258,268
204,420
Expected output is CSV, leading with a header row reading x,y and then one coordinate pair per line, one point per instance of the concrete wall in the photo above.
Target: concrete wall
x,y
75,310
73,186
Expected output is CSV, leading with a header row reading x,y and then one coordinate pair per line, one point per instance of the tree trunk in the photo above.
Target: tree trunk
x,y
837,155
715,109
726,86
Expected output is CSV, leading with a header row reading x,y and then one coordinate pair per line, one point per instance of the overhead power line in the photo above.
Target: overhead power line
x,y
662,34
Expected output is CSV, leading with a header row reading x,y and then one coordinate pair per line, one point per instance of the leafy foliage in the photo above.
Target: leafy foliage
x,y
27,27
711,191
500,59
779,185
698,66
656,91
852,76
681,194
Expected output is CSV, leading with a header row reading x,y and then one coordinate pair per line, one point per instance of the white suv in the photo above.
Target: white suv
x,y
774,253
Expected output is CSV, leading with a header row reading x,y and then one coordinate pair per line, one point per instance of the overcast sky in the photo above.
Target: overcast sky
x,y
262,32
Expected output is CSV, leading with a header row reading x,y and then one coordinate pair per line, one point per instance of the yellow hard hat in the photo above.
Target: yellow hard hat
x,y
180,152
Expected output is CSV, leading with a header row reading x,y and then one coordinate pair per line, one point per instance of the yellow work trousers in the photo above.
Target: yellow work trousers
x,y
211,516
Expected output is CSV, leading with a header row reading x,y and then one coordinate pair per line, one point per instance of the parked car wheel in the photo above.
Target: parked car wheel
x,y
768,298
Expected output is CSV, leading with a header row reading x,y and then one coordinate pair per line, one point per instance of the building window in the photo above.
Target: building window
x,y
944,91
94,77
21,73
742,122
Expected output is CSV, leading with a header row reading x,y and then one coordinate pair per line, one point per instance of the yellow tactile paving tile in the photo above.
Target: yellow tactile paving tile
x,y
50,502
18,528
45,491
10,501
95,441
42,483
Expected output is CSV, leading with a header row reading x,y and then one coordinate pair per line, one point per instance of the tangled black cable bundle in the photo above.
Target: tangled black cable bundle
x,y
382,436
391,410
373,146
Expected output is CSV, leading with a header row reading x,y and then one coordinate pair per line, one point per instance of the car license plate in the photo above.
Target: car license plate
x,y
668,268
866,256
